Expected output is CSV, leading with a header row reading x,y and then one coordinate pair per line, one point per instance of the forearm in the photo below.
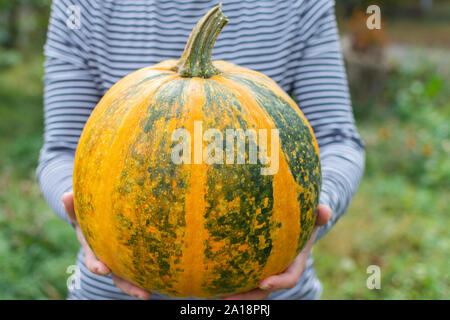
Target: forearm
x,y
342,169
322,92
70,95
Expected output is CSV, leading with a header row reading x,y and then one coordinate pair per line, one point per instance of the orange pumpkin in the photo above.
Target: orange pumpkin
x,y
193,228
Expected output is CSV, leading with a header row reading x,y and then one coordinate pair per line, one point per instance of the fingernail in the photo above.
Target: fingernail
x,y
138,294
265,286
102,269
142,296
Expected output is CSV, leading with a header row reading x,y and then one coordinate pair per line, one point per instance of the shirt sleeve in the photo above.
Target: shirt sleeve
x,y
70,95
322,93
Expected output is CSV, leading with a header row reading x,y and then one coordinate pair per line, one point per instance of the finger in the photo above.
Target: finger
x,y
288,278
91,261
255,294
323,215
130,288
93,264
291,275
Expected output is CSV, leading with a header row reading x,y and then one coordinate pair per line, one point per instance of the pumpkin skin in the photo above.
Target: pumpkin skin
x,y
194,229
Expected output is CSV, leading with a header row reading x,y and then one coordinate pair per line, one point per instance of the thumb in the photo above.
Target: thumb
x,y
67,199
323,215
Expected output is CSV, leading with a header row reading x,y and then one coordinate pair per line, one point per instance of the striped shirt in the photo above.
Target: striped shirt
x,y
295,42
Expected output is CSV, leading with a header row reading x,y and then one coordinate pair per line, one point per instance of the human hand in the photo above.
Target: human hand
x,y
290,276
92,262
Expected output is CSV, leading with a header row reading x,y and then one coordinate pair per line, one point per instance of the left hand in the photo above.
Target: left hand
x,y
290,276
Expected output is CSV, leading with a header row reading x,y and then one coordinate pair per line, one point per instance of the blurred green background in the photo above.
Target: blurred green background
x,y
399,79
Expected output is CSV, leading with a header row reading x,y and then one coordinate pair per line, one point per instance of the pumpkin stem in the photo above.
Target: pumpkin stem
x,y
196,60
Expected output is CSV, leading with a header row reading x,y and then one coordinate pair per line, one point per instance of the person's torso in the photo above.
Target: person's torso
x,y
124,36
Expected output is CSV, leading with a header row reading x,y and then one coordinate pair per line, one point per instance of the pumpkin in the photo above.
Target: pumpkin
x,y
195,228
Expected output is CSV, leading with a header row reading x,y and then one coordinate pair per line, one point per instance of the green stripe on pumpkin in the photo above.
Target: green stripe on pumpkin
x,y
296,144
234,195
160,214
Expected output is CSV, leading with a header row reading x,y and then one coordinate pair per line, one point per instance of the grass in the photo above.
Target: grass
x,y
36,247
399,226
398,219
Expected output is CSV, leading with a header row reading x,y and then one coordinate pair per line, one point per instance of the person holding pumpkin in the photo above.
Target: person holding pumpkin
x,y
293,42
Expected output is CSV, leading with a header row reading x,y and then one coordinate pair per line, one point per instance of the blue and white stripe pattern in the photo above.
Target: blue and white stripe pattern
x,y
295,42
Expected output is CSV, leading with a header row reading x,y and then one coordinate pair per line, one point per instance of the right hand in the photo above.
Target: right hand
x,y
92,263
